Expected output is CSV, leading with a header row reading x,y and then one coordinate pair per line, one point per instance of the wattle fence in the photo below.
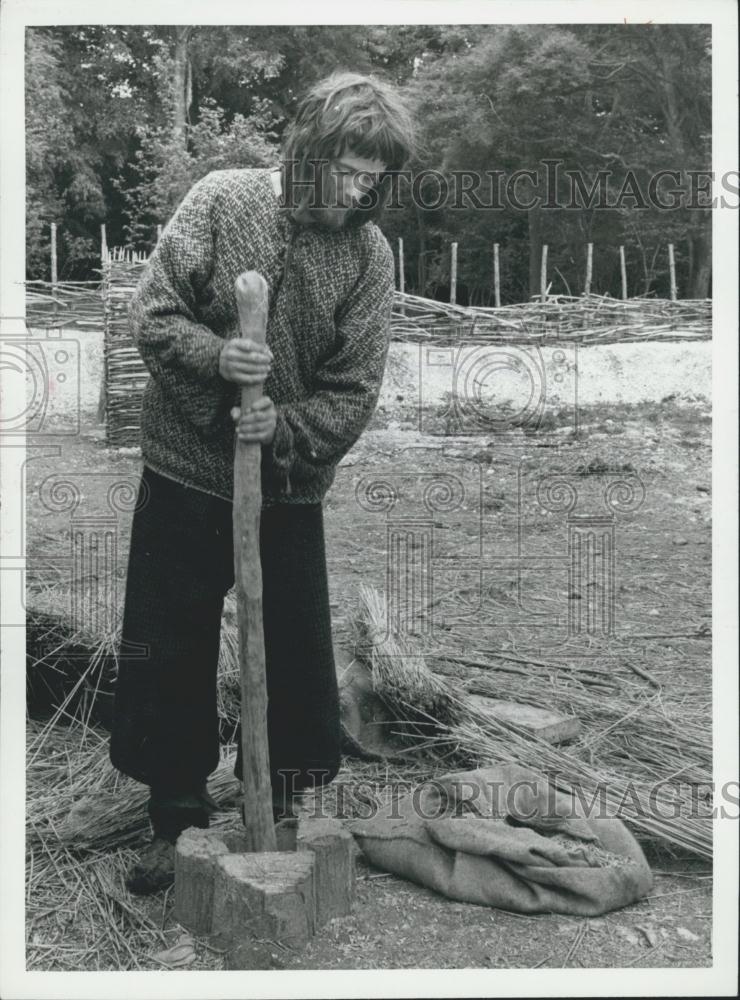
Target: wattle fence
x,y
586,319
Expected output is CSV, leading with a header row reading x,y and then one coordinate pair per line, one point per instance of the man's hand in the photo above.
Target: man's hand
x,y
257,426
244,362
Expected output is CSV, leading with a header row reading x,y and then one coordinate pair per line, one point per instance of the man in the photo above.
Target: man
x,y
307,228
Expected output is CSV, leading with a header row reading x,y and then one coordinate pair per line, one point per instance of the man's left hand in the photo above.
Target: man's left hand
x,y
257,425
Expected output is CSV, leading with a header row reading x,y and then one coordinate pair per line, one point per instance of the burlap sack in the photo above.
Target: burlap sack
x,y
504,836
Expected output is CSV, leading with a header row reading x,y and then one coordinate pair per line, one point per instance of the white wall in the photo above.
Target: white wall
x,y
520,376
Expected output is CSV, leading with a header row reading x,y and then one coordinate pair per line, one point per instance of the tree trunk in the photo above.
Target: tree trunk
x,y
181,82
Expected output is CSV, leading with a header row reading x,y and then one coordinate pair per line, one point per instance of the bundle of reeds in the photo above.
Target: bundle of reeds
x,y
400,675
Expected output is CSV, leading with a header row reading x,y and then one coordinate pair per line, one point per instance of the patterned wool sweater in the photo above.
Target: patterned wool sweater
x,y
328,329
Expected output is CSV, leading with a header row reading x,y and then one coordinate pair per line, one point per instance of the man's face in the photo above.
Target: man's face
x,y
346,179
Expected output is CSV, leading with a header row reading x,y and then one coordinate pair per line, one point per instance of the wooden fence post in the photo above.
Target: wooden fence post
x,y
543,274
54,276
672,267
159,233
589,268
496,278
453,275
401,273
107,317
623,268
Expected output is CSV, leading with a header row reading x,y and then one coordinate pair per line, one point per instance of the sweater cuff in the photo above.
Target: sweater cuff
x,y
207,356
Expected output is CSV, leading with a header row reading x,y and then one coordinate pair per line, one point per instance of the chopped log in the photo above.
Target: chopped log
x,y
268,895
334,870
195,868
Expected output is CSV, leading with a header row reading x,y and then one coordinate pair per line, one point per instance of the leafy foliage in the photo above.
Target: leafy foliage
x,y
122,120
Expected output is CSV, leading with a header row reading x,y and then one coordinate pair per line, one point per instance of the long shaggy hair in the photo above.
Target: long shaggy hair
x,y
344,113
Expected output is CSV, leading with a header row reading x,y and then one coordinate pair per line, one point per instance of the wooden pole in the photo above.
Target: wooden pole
x,y
401,273
54,277
252,302
589,268
496,278
672,266
623,269
105,292
159,233
543,274
453,274
54,274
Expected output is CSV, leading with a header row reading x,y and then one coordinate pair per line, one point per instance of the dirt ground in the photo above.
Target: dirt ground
x,y
508,553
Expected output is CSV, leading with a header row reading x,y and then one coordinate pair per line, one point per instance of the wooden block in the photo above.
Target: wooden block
x,y
550,726
286,831
267,895
334,873
195,868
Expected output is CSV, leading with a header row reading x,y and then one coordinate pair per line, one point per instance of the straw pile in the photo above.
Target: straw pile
x,y
630,740
85,820
642,759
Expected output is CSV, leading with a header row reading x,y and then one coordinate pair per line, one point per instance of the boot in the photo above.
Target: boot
x,y
169,814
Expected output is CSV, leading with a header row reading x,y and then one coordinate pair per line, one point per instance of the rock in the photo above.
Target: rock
x,y
685,934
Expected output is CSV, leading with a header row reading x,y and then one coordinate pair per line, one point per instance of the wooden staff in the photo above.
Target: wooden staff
x,y
252,302
589,268
496,278
453,275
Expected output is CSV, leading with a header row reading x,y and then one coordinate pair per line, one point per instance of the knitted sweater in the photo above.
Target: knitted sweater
x,y
328,328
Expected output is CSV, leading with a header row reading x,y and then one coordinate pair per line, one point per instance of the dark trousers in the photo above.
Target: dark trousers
x,y
181,564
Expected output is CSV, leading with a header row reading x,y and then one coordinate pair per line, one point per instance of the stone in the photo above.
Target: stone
x,y
547,725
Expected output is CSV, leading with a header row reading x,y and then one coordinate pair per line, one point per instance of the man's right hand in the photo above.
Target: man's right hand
x,y
244,362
